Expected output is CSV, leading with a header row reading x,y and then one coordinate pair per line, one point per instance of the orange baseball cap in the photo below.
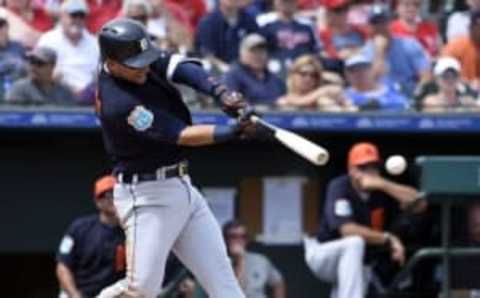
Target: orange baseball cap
x,y
363,153
104,184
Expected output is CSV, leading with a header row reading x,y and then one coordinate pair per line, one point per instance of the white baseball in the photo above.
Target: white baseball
x,y
396,165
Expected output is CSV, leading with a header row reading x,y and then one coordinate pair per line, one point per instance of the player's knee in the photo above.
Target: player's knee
x,y
143,290
355,243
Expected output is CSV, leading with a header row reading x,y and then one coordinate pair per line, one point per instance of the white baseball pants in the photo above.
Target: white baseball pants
x,y
164,215
339,262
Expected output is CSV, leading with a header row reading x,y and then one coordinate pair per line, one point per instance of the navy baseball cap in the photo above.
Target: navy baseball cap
x,y
379,14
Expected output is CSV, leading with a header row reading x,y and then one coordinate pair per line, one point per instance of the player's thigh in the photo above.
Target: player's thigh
x,y
151,232
201,248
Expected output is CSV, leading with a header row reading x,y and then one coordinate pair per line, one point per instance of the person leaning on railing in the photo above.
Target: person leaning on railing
x,y
447,92
310,86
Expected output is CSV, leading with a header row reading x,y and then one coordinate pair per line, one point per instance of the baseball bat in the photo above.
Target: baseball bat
x,y
310,151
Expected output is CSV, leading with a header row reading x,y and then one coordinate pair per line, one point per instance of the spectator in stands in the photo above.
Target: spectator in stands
x,y
368,93
400,60
465,50
220,32
170,26
448,92
138,10
255,272
12,62
40,87
100,12
411,24
458,23
77,49
91,255
195,9
27,22
357,207
288,37
250,75
340,39
257,7
310,86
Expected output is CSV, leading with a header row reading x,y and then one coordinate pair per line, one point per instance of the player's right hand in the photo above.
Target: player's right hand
x,y
397,250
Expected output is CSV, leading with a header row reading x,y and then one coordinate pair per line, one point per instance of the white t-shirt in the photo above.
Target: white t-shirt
x,y
458,24
76,64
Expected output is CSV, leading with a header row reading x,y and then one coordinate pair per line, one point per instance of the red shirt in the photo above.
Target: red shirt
x,y
195,9
425,32
102,11
40,21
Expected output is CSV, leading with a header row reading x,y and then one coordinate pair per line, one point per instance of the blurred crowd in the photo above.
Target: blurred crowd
x,y
320,55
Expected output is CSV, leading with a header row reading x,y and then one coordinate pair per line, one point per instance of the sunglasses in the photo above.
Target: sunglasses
x,y
37,62
240,236
78,15
369,166
311,74
450,75
140,18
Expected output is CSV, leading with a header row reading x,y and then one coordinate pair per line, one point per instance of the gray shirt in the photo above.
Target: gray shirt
x,y
260,274
26,91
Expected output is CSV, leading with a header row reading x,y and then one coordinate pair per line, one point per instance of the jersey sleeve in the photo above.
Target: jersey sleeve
x,y
66,253
154,124
338,206
274,275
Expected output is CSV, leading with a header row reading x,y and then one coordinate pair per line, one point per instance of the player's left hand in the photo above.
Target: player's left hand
x,y
231,102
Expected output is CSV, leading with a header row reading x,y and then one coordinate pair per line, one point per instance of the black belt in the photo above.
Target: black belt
x,y
178,170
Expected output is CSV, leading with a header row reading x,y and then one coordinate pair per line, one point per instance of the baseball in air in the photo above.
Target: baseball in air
x,y
396,165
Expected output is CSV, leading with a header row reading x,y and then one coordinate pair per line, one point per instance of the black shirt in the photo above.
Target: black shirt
x,y
141,123
95,253
343,204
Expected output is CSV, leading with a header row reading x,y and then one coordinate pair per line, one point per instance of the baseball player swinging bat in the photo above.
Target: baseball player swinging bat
x,y
303,147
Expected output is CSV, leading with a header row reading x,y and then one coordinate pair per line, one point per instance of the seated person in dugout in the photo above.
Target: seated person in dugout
x,y
355,209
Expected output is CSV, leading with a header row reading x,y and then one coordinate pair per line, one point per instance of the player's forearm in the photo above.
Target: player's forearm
x,y
67,281
202,135
197,135
279,290
404,194
370,236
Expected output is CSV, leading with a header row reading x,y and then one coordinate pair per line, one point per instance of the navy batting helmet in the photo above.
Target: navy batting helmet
x,y
127,42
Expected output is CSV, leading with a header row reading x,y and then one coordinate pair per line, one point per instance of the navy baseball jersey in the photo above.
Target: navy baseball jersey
x,y
141,123
343,204
258,91
289,40
220,37
94,252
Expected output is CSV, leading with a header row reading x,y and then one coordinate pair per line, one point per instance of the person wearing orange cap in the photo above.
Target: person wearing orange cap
x,y
355,208
91,255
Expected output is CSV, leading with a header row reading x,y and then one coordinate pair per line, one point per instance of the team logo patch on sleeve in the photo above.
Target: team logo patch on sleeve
x,y
66,245
343,208
141,118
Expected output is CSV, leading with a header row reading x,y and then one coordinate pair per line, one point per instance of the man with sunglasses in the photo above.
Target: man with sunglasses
x,y
40,87
77,49
356,209
146,126
92,252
